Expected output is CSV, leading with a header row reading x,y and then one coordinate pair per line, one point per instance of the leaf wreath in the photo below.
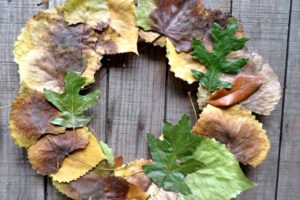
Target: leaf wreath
x,y
60,49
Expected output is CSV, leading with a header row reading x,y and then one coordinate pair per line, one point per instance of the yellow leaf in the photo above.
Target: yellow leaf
x,y
94,13
152,37
238,129
182,64
122,34
80,162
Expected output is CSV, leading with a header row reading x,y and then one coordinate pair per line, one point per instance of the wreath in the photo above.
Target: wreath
x,y
60,49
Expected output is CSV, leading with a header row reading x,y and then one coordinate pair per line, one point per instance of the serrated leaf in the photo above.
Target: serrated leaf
x,y
108,153
94,13
172,157
80,162
216,62
221,177
71,103
238,129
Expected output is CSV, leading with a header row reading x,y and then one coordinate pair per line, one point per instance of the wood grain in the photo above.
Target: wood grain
x,y
289,173
266,23
17,179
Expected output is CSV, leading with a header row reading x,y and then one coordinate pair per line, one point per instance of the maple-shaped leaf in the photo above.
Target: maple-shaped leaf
x,y
179,20
221,177
71,103
94,13
172,156
216,63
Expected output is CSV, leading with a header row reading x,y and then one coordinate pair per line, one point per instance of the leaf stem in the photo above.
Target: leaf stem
x,y
193,105
7,106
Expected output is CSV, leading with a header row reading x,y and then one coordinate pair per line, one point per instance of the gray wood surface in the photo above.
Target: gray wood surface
x,y
266,23
289,173
138,92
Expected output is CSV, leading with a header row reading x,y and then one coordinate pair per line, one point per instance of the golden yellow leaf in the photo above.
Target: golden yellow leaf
x,y
94,13
182,63
152,37
30,117
238,129
80,162
122,34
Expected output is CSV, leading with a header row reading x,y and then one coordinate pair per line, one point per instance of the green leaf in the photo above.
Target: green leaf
x,y
70,103
173,156
221,177
108,153
215,62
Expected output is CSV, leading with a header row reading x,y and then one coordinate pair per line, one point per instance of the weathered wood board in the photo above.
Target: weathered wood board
x,y
138,92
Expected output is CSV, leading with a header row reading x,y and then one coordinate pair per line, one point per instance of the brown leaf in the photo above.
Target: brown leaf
x,y
30,117
238,129
47,155
243,87
97,184
183,20
118,161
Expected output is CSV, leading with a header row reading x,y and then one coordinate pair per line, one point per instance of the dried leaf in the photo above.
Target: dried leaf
x,y
30,118
202,97
80,162
71,103
157,193
122,34
94,13
237,128
152,37
97,184
133,173
243,87
182,64
180,21
47,155
48,46
266,98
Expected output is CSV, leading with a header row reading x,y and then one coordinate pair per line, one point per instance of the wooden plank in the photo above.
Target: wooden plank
x,y
136,94
17,179
266,23
289,174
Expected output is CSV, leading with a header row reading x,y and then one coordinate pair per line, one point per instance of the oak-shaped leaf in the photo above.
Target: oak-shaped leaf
x,y
94,13
179,20
99,184
238,129
48,47
216,63
221,176
172,156
47,155
80,162
71,103
30,117
243,87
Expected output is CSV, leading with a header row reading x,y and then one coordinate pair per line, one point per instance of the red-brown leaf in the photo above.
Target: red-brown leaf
x,y
244,87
